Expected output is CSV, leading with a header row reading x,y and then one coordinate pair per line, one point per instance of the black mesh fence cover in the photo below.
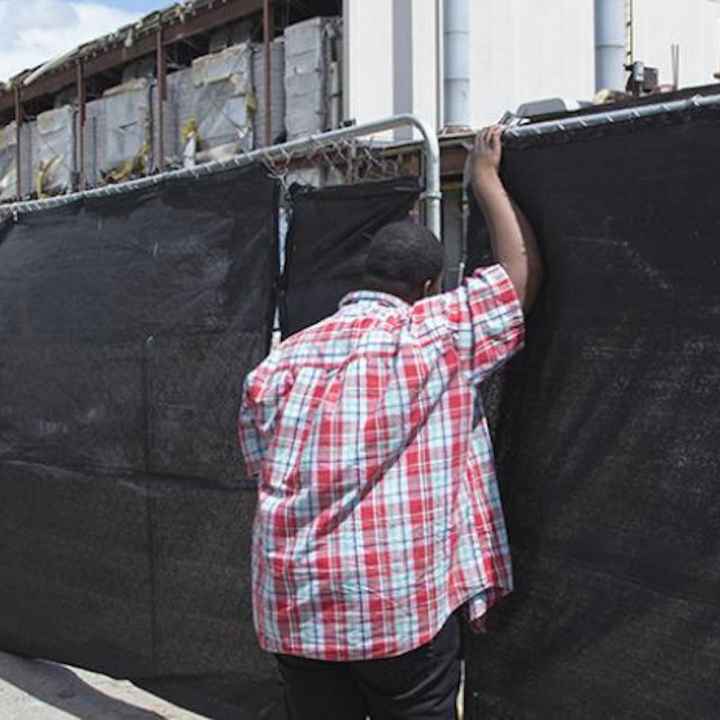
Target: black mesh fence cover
x,y
607,433
329,234
126,327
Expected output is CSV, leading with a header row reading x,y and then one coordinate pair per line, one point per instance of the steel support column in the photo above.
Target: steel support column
x,y
161,71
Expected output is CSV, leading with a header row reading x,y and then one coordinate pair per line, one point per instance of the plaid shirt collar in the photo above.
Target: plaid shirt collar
x,y
376,296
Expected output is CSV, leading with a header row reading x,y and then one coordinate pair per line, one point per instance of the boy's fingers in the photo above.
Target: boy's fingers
x,y
489,138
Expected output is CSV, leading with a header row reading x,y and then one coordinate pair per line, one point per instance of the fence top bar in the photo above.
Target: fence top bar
x,y
431,168
613,116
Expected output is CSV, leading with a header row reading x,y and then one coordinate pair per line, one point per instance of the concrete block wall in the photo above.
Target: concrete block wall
x,y
313,51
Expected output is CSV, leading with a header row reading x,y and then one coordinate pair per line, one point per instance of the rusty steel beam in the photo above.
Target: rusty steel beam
x,y
452,160
18,146
268,33
203,20
215,16
82,117
161,72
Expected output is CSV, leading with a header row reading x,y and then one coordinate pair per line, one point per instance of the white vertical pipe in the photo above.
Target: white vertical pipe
x,y
610,30
456,42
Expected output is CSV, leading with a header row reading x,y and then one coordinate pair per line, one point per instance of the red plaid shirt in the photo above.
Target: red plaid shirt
x,y
379,512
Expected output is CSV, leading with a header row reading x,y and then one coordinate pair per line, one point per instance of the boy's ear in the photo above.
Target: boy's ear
x,y
431,287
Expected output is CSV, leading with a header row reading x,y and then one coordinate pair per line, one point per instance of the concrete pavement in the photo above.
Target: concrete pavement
x,y
39,690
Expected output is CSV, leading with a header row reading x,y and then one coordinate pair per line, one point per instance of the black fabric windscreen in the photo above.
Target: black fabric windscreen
x,y
607,433
327,243
127,325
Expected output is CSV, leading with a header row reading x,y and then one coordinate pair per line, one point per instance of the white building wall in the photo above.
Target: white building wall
x,y
522,50
693,24
425,54
530,49
368,52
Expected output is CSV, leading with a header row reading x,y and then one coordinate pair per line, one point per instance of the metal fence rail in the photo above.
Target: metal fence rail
x,y
431,168
611,117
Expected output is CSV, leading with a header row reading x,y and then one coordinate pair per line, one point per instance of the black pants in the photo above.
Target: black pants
x,y
420,685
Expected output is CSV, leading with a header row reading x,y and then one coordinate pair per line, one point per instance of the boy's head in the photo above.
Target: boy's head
x,y
406,260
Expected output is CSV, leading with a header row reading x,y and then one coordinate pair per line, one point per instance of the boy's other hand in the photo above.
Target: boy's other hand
x,y
486,155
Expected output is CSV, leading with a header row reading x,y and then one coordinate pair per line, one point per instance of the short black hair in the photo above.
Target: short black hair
x,y
402,257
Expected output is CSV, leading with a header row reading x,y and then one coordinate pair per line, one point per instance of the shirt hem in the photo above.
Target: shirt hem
x,y
475,617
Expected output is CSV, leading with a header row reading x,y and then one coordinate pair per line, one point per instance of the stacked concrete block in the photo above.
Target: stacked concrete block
x,y
313,51
8,162
94,127
53,151
277,92
209,109
118,138
126,142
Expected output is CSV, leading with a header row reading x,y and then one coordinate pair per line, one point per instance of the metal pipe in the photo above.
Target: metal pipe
x,y
161,72
82,117
610,118
268,32
431,170
630,31
456,52
18,144
675,60
610,35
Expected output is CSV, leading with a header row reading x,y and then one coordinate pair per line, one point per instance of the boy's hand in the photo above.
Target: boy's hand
x,y
486,155
512,237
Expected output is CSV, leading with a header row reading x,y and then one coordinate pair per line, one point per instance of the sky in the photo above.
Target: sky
x,y
34,31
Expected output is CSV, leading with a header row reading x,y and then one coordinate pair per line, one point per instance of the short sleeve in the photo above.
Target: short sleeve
x,y
250,439
263,396
486,320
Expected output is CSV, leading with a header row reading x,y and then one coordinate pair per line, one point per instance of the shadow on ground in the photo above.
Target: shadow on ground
x,y
47,689
59,687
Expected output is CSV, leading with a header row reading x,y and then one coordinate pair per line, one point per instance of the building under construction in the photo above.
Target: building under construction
x,y
198,81
208,79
